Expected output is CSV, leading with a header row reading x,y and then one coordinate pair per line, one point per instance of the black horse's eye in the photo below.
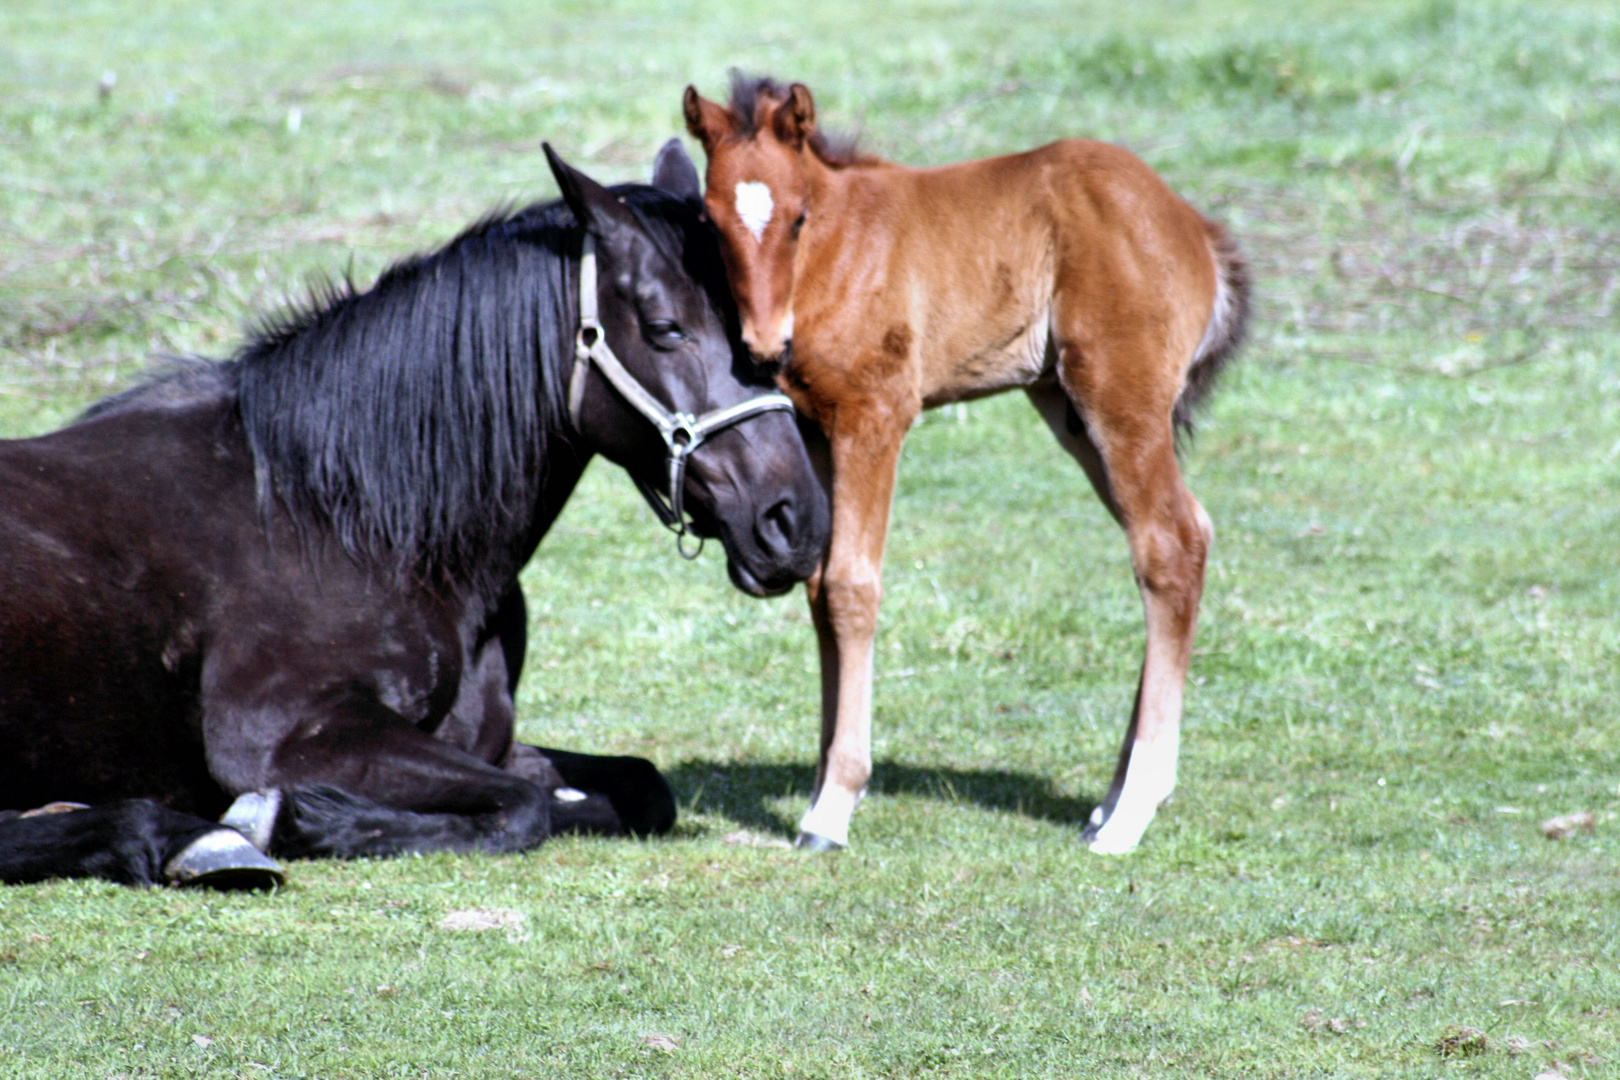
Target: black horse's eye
x,y
663,333
798,223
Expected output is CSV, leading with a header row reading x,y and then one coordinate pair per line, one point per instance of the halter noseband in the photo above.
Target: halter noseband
x,y
682,432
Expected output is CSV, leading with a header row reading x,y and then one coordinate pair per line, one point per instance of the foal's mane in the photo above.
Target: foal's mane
x,y
414,417
835,148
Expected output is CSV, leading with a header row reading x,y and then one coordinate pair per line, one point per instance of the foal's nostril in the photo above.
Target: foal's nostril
x,y
787,353
776,527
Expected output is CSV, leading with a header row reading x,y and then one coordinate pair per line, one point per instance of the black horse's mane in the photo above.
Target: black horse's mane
x,y
414,417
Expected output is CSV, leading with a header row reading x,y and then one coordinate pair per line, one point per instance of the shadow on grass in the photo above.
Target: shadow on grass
x,y
743,791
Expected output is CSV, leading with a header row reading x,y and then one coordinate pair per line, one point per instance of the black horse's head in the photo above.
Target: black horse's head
x,y
669,320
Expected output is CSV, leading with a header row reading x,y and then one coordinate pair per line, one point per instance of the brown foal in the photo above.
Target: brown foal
x,y
1070,271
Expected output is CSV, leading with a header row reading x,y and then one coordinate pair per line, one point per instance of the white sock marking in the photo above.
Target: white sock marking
x,y
829,817
1149,781
755,206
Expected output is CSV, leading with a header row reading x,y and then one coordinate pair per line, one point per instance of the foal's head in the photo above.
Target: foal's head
x,y
758,197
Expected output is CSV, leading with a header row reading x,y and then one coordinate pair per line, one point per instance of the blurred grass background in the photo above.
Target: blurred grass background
x,y
1407,657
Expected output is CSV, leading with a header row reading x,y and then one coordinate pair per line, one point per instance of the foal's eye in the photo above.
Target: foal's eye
x,y
664,334
798,223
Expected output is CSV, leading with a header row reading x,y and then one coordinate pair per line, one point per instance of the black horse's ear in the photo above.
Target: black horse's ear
x,y
674,172
596,208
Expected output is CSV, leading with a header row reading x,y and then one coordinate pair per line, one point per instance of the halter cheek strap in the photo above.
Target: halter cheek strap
x,y
682,432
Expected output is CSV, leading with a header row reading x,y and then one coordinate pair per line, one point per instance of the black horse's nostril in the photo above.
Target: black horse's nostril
x,y
776,528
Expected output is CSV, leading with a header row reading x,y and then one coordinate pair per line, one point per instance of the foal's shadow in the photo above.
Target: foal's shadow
x,y
743,791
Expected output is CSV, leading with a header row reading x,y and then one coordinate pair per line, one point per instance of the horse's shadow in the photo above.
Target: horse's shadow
x,y
743,791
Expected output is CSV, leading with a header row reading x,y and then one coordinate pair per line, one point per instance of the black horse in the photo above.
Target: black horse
x,y
290,579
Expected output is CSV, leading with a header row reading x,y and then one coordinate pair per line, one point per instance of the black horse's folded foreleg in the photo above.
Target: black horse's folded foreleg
x,y
623,795
363,782
583,793
322,821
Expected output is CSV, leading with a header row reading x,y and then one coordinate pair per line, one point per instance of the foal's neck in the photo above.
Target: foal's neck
x,y
854,207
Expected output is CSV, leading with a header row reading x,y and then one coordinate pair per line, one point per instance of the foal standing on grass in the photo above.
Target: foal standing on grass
x,y
1070,271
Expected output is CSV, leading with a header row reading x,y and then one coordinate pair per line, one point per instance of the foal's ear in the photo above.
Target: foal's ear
x,y
674,172
596,208
795,119
706,121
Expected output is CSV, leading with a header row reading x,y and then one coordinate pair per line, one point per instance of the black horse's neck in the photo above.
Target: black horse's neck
x,y
423,419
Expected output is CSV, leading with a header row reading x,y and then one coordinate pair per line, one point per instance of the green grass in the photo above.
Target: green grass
x,y
1409,653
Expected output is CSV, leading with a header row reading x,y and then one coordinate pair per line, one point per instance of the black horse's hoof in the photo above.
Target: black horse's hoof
x,y
810,841
254,816
223,859
54,808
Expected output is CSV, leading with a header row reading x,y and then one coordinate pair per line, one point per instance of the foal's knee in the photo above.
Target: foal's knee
x,y
852,603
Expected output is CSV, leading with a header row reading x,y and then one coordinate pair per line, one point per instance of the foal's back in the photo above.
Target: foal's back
x,y
963,271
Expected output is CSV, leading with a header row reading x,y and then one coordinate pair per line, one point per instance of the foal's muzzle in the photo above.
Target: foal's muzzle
x,y
774,349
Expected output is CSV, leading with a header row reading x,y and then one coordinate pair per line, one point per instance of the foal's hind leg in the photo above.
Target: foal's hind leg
x,y
1127,448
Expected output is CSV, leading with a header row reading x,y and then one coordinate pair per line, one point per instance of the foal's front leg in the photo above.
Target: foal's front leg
x,y
844,596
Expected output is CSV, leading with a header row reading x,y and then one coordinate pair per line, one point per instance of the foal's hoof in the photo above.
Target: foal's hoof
x,y
223,859
254,816
1118,835
810,841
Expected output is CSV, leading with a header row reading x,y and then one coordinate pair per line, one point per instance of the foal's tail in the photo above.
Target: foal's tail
x,y
1228,322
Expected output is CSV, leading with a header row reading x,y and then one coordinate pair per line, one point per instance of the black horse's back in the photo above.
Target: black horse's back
x,y
99,634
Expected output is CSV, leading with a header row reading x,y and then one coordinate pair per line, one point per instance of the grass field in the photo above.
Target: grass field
x,y
1409,653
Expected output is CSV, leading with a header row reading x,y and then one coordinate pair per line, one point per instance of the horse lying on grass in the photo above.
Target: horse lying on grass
x,y
290,579
1070,271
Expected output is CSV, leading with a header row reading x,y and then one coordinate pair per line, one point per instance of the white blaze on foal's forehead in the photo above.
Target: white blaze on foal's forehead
x,y
754,206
